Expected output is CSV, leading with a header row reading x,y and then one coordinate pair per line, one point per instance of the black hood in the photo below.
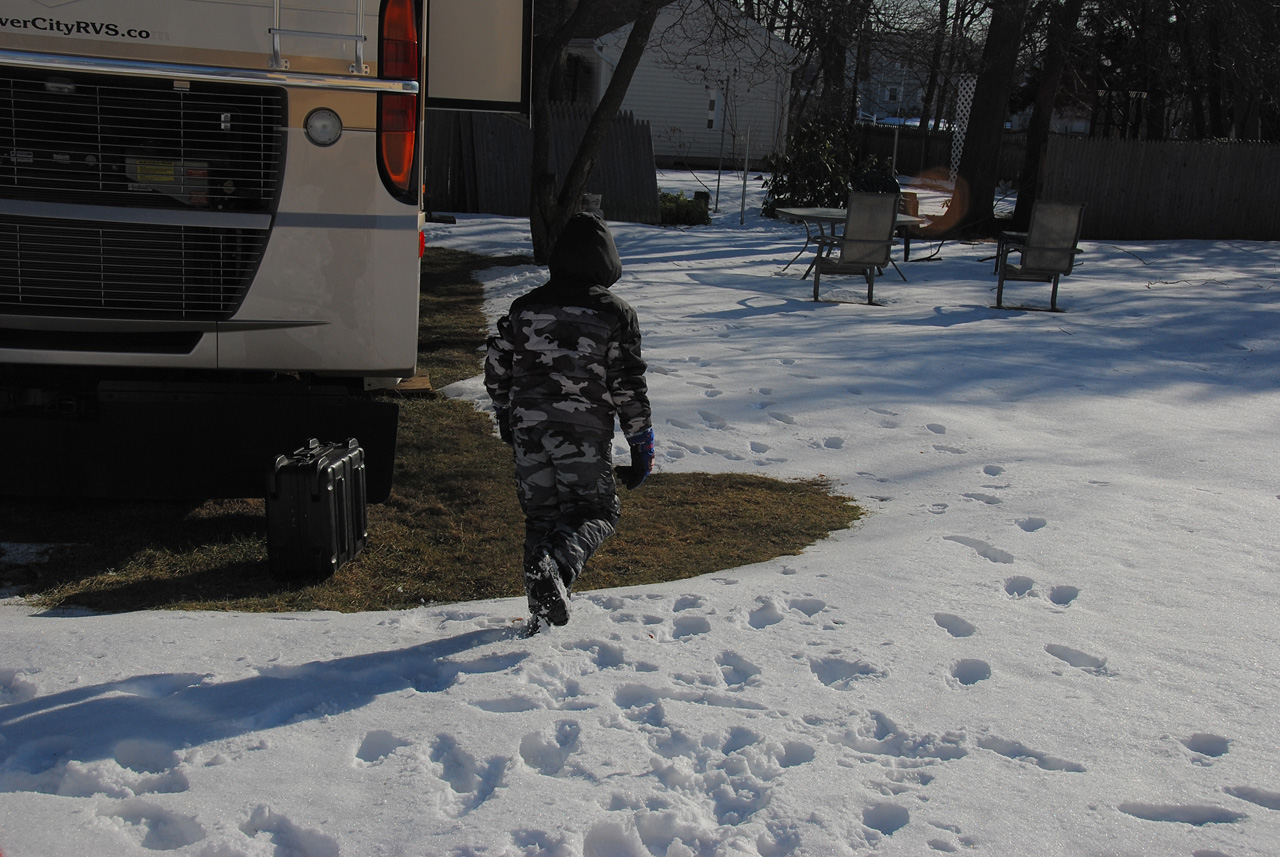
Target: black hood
x,y
585,253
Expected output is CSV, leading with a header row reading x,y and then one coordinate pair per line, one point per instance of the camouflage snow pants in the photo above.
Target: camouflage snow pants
x,y
566,489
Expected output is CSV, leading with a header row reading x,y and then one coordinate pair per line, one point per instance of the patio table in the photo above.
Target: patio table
x,y
818,216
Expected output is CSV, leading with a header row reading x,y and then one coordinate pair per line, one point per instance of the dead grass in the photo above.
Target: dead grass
x,y
451,530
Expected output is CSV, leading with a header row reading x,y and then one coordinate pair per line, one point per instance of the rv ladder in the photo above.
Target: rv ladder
x,y
282,63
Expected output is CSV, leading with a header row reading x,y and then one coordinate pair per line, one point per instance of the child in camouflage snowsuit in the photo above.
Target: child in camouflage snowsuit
x,y
565,362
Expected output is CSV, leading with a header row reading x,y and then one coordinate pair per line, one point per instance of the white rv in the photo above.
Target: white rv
x,y
210,221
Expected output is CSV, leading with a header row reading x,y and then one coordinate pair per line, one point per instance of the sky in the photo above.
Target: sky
x,y
1054,633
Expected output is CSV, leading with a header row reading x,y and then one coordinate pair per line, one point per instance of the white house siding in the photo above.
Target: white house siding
x,y
677,77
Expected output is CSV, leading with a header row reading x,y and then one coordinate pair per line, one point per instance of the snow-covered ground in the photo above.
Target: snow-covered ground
x,y
1055,634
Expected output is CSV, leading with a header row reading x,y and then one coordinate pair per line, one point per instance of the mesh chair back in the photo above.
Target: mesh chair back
x,y
868,229
1052,237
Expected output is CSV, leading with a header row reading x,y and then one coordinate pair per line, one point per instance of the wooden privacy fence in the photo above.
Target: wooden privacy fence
x,y
480,162
1136,189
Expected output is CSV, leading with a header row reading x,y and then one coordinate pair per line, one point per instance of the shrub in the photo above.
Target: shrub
x,y
676,209
819,167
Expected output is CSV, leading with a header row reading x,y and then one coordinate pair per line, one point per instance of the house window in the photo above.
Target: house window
x,y
891,94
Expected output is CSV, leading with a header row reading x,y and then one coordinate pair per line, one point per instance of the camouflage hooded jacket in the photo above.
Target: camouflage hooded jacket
x,y
567,354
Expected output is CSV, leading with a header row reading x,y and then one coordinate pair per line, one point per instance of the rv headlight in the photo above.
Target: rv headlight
x,y
323,126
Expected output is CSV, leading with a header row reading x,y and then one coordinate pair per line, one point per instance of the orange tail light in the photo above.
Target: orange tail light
x,y
398,59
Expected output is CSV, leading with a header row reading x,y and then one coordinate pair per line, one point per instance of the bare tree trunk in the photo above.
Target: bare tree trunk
x,y
1061,29
575,181
974,201
935,64
549,210
547,53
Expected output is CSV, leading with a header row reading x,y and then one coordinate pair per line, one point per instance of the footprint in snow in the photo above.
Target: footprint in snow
x,y
783,417
690,626
14,688
158,829
378,745
604,655
1193,814
886,818
954,625
993,470
724,453
1018,751
970,671
286,836
936,428
1261,797
808,606
795,753
1018,587
547,752
989,499
1030,525
769,612
1206,746
1063,595
1080,660
1021,587
713,420
739,738
738,672
983,549
471,781
141,766
841,674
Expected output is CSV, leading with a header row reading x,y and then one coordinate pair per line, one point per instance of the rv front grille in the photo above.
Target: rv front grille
x,y
82,268
156,143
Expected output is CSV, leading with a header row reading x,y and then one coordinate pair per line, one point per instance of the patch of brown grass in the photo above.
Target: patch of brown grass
x,y
451,530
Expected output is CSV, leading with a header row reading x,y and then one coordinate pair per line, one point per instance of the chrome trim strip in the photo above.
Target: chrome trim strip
x,y
115,214
74,324
26,59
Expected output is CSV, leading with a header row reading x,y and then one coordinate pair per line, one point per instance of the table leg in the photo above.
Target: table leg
x,y
822,233
807,236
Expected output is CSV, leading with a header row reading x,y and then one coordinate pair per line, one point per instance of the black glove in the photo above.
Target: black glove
x,y
641,460
503,416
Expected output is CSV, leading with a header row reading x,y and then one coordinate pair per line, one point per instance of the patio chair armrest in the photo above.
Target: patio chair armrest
x,y
827,243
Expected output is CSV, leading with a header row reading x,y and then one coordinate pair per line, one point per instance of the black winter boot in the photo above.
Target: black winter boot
x,y
548,597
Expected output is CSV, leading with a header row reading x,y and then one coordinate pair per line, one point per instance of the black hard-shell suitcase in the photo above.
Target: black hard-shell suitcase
x,y
317,510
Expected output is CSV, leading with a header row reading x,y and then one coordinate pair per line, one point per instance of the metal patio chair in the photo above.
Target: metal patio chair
x,y
863,248
1047,249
